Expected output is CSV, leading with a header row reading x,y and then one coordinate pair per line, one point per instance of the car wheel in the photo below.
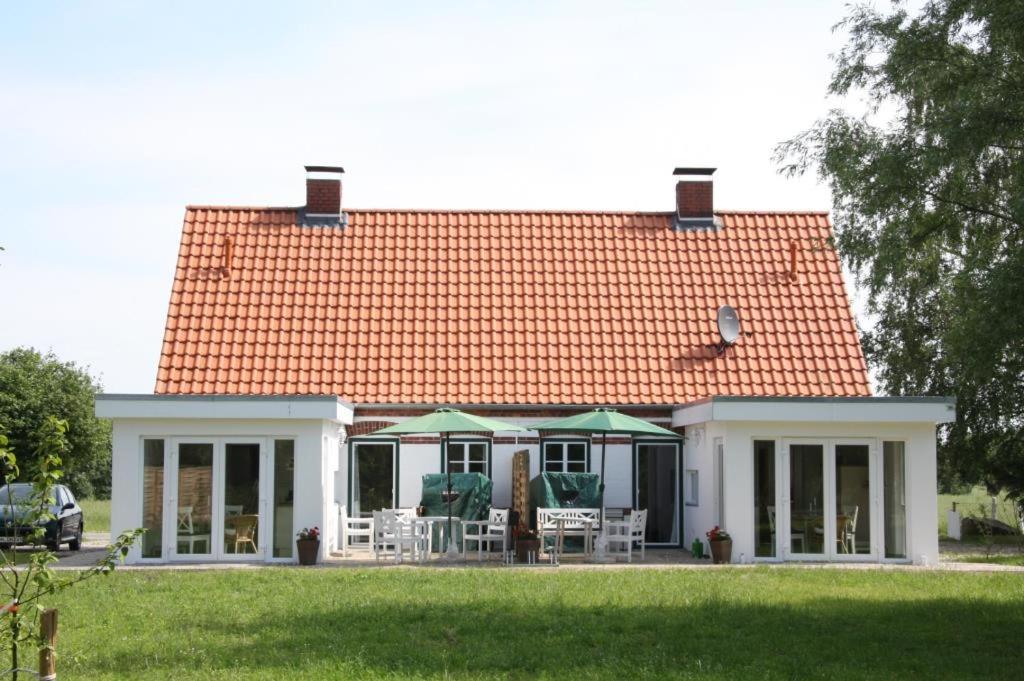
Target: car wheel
x,y
76,543
54,544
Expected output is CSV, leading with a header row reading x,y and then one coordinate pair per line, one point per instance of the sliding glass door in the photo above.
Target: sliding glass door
x,y
656,488
830,488
852,506
241,499
374,479
807,517
194,502
228,498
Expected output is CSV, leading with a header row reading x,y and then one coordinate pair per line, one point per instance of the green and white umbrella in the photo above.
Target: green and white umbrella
x,y
606,422
446,421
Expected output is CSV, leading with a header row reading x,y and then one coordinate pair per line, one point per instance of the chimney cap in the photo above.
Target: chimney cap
x,y
324,169
694,171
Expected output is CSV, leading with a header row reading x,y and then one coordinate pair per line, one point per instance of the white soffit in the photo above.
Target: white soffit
x,y
818,410
316,407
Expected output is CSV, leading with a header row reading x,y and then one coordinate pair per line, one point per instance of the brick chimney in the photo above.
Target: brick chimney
x,y
323,192
695,205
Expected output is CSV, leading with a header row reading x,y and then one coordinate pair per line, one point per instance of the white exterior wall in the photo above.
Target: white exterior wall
x,y
698,456
313,484
921,492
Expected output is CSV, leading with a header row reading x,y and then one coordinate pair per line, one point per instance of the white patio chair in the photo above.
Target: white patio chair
x,y
409,536
794,536
187,532
495,528
628,532
384,533
353,527
848,534
231,511
185,520
403,512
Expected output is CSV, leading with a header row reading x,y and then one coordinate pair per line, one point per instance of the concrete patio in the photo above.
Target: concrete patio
x,y
657,558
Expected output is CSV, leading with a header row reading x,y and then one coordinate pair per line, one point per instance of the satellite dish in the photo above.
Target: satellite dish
x,y
728,327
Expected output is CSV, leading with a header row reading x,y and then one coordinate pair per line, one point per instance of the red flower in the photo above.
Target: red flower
x,y
717,534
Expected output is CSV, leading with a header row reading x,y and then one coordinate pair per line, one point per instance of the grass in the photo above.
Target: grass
x,y
997,559
763,623
96,513
970,504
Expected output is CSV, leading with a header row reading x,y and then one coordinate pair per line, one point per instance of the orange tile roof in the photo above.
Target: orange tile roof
x,y
467,307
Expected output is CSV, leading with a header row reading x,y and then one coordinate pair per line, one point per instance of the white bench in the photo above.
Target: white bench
x,y
568,522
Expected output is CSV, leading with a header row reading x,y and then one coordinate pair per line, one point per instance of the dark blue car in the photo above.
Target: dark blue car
x,y
66,527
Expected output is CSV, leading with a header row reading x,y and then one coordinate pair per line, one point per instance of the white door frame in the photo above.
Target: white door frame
x,y
677,484
874,498
830,549
215,545
264,521
171,496
353,490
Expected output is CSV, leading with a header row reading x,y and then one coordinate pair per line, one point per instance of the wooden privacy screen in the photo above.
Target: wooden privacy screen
x,y
520,486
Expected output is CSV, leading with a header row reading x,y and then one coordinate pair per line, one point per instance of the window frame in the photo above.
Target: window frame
x,y
465,442
691,486
564,442
351,443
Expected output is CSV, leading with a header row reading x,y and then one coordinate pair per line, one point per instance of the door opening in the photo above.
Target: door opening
x,y
656,469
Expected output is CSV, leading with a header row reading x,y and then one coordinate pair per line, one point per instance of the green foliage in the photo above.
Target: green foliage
x,y
34,386
23,586
928,191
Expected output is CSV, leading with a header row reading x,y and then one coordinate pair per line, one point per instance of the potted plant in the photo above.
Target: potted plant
x,y
526,540
721,545
308,544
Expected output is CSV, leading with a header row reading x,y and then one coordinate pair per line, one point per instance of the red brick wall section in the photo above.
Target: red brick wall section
x,y
539,412
323,196
694,199
366,427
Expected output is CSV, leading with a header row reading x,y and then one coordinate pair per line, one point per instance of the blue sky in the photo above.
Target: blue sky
x,y
114,116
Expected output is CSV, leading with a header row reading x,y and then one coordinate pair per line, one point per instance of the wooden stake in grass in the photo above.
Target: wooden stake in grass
x,y
47,652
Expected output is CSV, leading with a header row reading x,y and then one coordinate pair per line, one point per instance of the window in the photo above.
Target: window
x,y
765,516
284,498
565,457
720,481
894,482
468,457
152,497
691,483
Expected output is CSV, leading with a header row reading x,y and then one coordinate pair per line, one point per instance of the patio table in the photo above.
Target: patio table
x,y
429,521
588,534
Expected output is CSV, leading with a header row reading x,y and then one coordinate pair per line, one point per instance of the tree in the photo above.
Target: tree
x,y
34,386
928,192
25,586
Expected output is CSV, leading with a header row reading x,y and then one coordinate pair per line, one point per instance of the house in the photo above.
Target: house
x,y
295,333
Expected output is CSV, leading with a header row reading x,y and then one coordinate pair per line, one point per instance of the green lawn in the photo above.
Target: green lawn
x,y
970,503
96,513
997,559
287,623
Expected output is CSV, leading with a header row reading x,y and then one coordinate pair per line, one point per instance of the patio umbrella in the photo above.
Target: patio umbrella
x,y
605,421
446,421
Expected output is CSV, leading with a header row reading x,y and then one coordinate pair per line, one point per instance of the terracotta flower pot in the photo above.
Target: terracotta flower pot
x,y
524,546
721,551
308,550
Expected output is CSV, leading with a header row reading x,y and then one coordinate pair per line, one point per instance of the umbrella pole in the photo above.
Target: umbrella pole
x,y
452,552
604,444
